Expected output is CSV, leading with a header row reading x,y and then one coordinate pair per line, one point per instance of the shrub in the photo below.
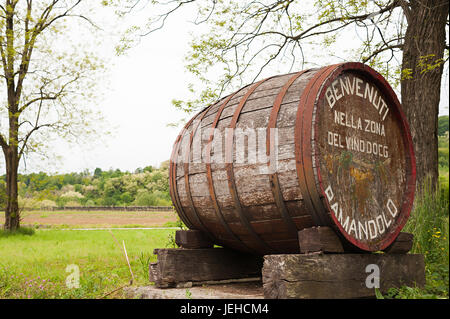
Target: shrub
x,y
47,203
72,194
89,203
28,203
126,198
146,199
156,198
28,231
72,203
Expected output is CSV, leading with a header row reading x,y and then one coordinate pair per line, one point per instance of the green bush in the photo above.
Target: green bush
x,y
126,198
442,125
28,231
151,199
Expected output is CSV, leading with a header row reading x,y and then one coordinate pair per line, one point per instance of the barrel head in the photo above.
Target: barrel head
x,y
362,154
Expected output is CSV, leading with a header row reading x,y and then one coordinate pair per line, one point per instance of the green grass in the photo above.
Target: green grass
x,y
35,266
21,231
429,222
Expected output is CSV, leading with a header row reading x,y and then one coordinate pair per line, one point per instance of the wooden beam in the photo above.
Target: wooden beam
x,y
192,239
329,276
401,245
319,239
179,265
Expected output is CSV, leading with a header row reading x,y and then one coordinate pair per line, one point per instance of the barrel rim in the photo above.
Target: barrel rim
x,y
410,184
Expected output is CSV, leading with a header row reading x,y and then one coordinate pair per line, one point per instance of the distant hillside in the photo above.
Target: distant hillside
x,y
144,187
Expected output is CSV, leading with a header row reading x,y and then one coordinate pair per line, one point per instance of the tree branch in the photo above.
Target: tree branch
x,y
351,19
385,48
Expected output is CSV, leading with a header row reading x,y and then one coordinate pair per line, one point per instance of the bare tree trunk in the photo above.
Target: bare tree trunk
x,y
420,88
12,213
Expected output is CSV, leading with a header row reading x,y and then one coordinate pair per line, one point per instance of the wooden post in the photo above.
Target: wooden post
x,y
329,276
178,265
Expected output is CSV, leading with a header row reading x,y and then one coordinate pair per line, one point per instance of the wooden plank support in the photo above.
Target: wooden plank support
x,y
339,276
192,239
176,266
319,239
401,245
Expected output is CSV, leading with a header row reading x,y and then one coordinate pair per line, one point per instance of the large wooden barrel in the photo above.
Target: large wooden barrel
x,y
327,146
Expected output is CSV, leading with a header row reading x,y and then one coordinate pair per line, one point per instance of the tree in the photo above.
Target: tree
x,y
48,81
245,38
97,172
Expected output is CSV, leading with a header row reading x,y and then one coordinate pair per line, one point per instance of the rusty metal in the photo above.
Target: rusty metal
x,y
307,146
186,176
299,156
173,174
274,181
173,177
212,191
230,173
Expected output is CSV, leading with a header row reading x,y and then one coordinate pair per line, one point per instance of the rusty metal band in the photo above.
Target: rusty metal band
x,y
229,168
307,144
173,180
211,188
173,175
273,177
299,156
186,176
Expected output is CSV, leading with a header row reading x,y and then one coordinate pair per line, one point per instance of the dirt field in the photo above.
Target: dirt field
x,y
96,219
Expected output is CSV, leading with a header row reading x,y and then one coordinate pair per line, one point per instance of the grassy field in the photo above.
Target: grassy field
x,y
34,266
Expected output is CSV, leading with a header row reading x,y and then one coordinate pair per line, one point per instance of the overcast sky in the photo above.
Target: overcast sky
x,y
138,106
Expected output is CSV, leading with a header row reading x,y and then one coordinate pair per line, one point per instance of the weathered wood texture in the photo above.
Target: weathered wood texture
x,y
192,239
178,265
401,245
321,147
337,276
316,239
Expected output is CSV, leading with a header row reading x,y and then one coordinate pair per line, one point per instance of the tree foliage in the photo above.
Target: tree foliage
x,y
144,187
49,76
244,40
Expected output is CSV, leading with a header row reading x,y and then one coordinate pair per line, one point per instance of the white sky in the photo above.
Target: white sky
x,y
138,104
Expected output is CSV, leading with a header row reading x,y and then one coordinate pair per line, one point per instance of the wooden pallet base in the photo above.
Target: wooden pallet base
x,y
325,267
178,266
342,276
